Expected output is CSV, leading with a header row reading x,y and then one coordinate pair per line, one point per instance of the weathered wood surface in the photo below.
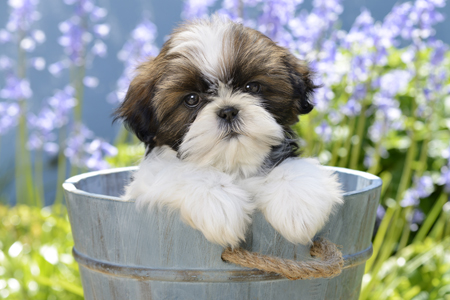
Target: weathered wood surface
x,y
128,254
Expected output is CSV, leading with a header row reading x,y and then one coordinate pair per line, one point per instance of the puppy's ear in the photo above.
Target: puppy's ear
x,y
137,110
302,84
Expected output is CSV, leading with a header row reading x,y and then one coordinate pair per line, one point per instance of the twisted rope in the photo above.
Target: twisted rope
x,y
329,265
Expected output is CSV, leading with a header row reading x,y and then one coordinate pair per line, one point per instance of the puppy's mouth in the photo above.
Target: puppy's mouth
x,y
232,130
232,134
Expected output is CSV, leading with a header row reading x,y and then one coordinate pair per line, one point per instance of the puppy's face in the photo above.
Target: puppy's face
x,y
220,94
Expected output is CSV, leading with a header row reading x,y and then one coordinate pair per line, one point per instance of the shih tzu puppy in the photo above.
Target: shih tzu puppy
x,y
214,110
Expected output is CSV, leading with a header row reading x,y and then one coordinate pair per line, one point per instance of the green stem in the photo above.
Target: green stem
x,y
24,178
62,168
23,168
374,169
379,237
406,229
359,134
389,244
383,254
351,128
308,133
407,168
334,153
79,92
394,235
447,225
438,229
423,155
421,168
240,9
39,176
121,136
431,218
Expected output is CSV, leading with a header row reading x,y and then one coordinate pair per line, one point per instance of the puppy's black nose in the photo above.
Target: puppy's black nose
x,y
228,113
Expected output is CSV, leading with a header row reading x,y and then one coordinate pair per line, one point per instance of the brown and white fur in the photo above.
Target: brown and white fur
x,y
214,110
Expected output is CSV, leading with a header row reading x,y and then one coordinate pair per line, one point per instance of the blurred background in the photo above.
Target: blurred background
x,y
384,109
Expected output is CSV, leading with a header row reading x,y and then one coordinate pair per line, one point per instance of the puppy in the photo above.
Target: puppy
x,y
214,110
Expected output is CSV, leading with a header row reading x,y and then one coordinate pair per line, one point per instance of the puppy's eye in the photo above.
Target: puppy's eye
x,y
191,100
252,87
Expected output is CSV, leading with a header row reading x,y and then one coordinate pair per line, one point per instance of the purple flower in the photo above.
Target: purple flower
x,y
16,89
397,21
5,36
23,14
61,104
99,49
56,68
324,131
368,160
388,106
422,188
351,108
84,150
416,218
377,131
445,178
140,45
411,198
362,31
233,9
9,114
309,30
53,115
97,14
360,67
73,39
276,14
97,150
414,21
38,36
101,30
90,81
322,98
438,54
75,143
395,82
38,63
6,63
77,32
380,212
196,8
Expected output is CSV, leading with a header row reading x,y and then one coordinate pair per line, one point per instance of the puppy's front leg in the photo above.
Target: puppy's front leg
x,y
206,198
296,197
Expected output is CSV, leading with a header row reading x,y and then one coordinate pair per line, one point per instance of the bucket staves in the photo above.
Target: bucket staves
x,y
128,254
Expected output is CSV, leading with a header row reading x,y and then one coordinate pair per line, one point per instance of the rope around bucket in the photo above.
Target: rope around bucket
x,y
330,264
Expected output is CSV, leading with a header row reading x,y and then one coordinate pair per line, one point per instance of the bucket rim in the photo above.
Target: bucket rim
x,y
70,184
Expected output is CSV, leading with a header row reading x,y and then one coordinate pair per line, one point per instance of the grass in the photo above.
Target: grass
x,y
36,259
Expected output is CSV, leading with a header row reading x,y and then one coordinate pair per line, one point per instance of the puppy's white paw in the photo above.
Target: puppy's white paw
x,y
154,170
206,198
297,197
217,207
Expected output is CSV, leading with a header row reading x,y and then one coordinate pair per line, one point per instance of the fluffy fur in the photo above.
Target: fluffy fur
x,y
296,197
208,143
214,110
207,199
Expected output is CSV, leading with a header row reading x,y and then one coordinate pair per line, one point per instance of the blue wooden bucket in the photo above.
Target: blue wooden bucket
x,y
124,253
